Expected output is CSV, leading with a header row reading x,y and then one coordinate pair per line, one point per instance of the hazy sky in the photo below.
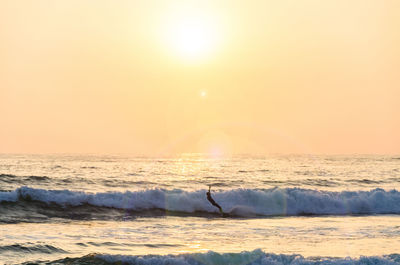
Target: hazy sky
x,y
221,77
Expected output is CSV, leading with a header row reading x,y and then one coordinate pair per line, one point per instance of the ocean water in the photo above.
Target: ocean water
x,y
298,209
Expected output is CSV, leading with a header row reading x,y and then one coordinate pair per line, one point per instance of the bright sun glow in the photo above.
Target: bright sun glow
x,y
192,34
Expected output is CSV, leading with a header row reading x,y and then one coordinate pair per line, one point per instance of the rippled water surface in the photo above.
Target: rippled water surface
x,y
58,206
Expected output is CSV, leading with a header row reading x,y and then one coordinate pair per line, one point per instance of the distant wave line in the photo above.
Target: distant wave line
x,y
245,257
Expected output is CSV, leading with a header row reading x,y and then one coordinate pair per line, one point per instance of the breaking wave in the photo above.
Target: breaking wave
x,y
246,257
237,202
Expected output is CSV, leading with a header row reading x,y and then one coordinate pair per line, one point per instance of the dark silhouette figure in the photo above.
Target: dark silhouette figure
x,y
211,200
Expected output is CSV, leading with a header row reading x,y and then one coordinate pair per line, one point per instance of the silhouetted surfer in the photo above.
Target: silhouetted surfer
x,y
211,200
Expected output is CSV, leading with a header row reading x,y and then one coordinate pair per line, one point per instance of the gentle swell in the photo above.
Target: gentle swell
x,y
31,248
238,202
252,257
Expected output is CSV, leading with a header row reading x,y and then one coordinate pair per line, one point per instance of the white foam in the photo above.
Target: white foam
x,y
241,202
247,257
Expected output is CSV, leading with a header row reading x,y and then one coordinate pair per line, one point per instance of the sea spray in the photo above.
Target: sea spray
x,y
238,202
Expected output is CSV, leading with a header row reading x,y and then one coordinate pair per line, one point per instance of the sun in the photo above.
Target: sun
x,y
191,34
203,94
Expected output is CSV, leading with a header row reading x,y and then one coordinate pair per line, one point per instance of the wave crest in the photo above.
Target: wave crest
x,y
238,202
246,257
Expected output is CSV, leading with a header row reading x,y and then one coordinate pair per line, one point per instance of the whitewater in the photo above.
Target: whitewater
x,y
240,202
281,209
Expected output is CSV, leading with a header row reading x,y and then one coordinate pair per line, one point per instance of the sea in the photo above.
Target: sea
x,y
120,209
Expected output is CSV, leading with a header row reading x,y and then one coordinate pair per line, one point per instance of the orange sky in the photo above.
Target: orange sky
x,y
165,77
